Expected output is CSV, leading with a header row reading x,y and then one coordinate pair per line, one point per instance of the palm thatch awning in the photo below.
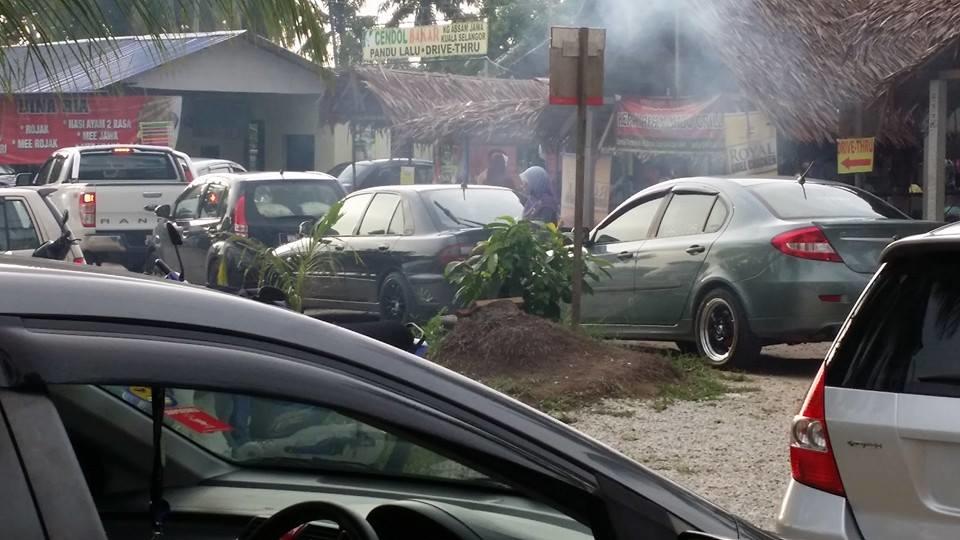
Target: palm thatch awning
x,y
390,98
491,120
805,62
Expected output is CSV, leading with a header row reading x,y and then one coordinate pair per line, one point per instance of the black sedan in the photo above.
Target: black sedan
x,y
132,407
383,172
267,206
393,243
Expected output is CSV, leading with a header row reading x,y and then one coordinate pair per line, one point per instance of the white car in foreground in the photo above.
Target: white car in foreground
x,y
875,449
28,219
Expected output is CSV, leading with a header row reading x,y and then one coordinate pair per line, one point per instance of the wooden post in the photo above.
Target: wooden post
x,y
581,169
935,152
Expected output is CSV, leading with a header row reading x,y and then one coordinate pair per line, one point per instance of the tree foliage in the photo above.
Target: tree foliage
x,y
523,259
424,12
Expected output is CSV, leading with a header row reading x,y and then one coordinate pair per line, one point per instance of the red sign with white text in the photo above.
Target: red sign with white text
x,y
197,420
664,125
33,127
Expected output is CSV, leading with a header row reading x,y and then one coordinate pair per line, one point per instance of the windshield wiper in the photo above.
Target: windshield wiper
x,y
459,221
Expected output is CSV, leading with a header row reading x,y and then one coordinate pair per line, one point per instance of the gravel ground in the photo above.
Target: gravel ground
x,y
732,451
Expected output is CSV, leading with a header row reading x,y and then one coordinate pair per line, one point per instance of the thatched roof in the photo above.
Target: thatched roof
x,y
492,120
804,62
390,97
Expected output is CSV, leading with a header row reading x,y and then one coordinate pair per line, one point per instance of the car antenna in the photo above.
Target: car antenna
x,y
802,177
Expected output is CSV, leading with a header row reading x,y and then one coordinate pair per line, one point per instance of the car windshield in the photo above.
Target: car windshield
x,y
105,166
259,432
346,175
458,208
791,200
303,198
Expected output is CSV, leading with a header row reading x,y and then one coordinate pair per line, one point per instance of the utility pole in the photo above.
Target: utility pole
x,y
582,36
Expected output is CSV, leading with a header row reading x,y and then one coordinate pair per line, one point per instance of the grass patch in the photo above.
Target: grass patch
x,y
699,382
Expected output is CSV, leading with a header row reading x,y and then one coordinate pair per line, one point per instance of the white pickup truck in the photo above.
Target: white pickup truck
x,y
111,192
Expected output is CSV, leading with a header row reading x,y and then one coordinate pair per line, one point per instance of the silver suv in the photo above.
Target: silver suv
x,y
875,449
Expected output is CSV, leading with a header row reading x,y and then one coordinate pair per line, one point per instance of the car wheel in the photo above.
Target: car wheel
x,y
688,348
396,298
723,335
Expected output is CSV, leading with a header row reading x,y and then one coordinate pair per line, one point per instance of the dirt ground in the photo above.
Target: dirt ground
x,y
733,450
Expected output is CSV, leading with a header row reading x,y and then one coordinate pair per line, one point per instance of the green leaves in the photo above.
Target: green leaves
x,y
522,258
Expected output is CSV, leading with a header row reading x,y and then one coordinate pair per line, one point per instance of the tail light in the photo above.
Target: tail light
x,y
807,243
453,253
79,260
240,217
811,456
88,209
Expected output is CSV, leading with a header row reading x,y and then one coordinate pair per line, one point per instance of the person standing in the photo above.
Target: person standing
x,y
541,203
496,173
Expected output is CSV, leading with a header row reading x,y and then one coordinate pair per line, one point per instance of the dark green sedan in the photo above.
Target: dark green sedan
x,y
725,266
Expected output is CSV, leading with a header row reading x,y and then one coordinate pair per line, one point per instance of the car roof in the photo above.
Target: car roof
x,y
945,239
268,176
393,160
421,188
211,161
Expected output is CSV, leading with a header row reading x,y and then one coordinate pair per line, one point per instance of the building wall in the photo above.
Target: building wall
x,y
333,146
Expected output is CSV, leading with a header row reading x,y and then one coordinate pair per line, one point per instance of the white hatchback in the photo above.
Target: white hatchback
x,y
28,220
875,450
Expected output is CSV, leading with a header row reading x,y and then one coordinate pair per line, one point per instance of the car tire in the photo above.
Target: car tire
x,y
722,332
395,298
688,348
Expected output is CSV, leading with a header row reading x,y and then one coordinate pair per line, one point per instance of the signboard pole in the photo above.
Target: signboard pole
x,y
581,169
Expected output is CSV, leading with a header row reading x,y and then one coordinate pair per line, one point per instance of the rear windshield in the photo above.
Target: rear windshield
x,y
134,166
289,199
346,175
790,200
458,208
906,334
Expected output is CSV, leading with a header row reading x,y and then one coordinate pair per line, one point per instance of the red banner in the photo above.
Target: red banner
x,y
670,125
32,127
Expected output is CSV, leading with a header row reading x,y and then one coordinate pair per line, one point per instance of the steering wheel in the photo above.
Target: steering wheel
x,y
291,517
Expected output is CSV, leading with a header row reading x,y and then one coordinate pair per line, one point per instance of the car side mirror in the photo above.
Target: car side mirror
x,y
174,233
162,211
306,228
24,179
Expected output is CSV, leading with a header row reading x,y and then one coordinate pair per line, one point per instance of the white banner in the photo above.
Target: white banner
x,y
437,41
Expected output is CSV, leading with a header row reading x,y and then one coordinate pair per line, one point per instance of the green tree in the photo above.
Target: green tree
x,y
347,29
424,12
35,23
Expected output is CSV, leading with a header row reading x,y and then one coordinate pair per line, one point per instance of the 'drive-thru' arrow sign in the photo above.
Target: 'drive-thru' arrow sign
x,y
855,155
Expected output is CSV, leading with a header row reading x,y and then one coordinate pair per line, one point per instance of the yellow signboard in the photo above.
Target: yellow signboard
x,y
407,176
437,41
855,155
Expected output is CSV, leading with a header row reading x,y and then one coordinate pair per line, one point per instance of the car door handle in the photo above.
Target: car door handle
x,y
625,255
338,248
383,248
696,250
152,194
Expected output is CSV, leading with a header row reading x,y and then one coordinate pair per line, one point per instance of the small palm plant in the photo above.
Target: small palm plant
x,y
289,269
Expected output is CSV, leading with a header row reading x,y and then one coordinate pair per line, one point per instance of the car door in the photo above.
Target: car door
x,y
668,263
616,241
20,233
369,253
185,210
329,286
200,233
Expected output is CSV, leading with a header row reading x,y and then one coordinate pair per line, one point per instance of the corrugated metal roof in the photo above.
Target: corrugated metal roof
x,y
114,61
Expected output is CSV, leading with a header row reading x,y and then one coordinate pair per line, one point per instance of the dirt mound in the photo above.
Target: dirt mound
x,y
546,364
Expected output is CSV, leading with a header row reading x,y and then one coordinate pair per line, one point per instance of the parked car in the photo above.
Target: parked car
x,y
393,243
874,447
239,419
205,166
111,192
383,172
726,266
28,220
8,176
265,206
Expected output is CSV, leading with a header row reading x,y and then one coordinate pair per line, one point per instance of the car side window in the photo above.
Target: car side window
x,y
632,225
17,231
350,214
212,205
187,206
50,171
376,221
398,223
718,215
686,214
423,175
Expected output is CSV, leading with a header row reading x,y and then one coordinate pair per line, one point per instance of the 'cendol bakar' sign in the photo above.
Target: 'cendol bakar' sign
x,y
437,41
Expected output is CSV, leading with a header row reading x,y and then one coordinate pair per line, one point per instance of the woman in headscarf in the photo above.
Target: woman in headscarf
x,y
541,204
